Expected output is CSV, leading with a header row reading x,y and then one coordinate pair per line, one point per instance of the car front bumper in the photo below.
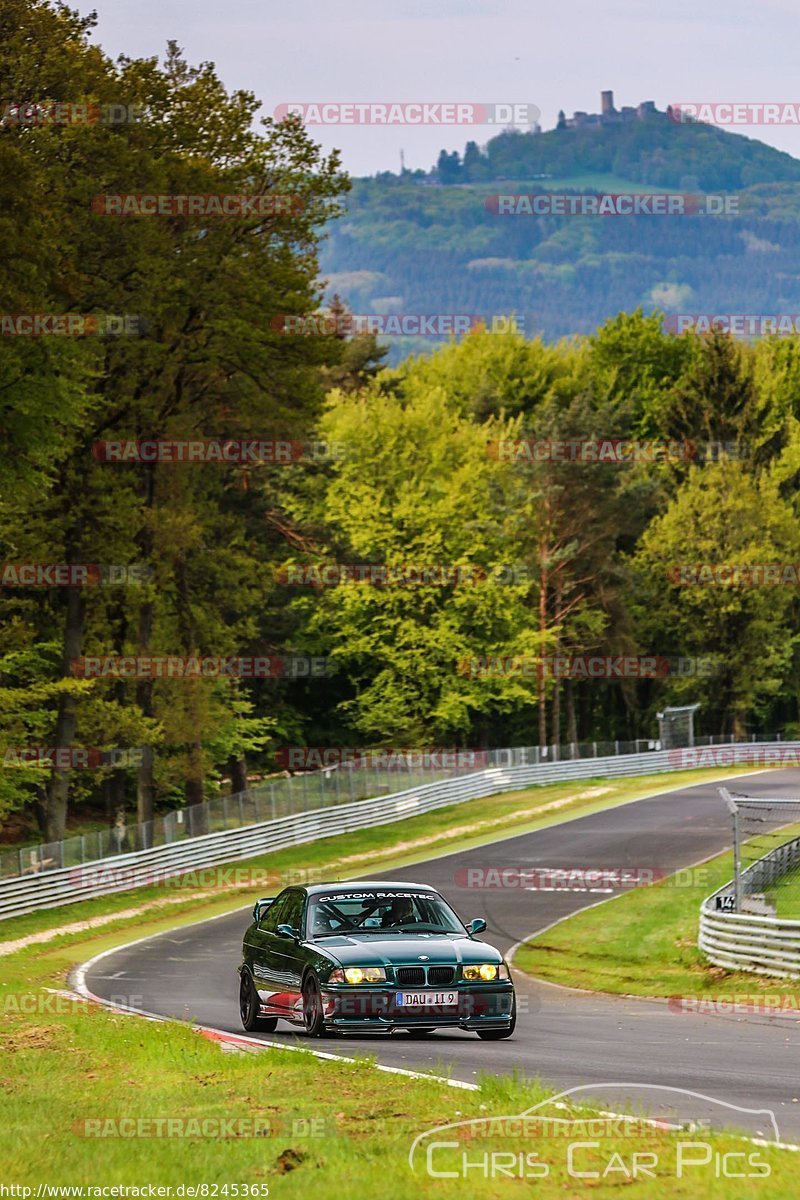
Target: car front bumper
x,y
478,1007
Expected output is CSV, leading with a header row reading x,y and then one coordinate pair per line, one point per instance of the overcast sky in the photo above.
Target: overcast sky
x,y
551,55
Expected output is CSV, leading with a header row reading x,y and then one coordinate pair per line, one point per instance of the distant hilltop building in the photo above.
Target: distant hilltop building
x,y
608,115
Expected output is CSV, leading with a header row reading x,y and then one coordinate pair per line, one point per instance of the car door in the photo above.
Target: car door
x,y
289,956
266,966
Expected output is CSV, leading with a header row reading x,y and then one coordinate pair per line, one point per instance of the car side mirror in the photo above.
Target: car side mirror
x,y
288,931
477,925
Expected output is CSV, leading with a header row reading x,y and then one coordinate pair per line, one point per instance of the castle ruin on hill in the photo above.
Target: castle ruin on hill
x,y
608,115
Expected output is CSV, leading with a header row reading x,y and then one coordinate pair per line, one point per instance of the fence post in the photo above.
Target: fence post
x,y
733,809
737,863
272,799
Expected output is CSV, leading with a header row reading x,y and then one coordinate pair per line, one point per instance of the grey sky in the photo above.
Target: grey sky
x,y
552,55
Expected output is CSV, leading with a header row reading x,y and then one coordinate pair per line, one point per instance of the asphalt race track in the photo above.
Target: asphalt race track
x,y
566,1038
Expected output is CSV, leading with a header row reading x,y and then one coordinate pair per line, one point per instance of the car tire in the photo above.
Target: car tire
x,y
495,1035
248,1008
313,1016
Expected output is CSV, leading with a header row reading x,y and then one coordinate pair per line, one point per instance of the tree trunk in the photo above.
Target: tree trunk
x,y
556,718
238,770
145,781
543,581
57,790
193,784
569,701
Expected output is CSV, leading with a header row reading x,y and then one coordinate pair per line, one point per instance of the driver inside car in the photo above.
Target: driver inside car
x,y
324,922
400,912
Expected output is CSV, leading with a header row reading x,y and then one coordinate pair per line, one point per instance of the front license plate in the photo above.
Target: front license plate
x,y
425,999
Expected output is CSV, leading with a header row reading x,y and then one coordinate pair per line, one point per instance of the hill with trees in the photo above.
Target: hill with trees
x,y
435,242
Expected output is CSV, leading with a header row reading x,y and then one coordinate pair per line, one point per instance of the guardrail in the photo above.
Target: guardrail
x,y
67,885
754,942
337,779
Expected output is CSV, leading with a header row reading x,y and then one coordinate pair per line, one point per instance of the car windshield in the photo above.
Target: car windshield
x,y
380,912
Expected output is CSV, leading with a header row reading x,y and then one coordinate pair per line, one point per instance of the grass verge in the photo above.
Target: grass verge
x,y
93,1098
87,1095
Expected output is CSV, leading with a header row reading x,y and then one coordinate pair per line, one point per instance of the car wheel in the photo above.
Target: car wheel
x,y
248,1008
494,1035
313,1017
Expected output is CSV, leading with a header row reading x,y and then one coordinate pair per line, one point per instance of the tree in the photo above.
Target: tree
x,y
721,515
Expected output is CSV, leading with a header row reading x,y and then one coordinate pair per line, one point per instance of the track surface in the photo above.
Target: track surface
x,y
565,1038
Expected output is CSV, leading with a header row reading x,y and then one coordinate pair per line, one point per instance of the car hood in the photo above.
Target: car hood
x,y
371,949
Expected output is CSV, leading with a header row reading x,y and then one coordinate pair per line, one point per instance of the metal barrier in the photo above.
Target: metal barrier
x,y
753,942
124,871
375,773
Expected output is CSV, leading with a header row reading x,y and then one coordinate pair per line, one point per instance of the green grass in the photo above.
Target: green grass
x,y
332,1126
785,894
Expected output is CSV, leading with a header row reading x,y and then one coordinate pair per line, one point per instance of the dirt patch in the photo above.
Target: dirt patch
x,y
34,1037
289,1160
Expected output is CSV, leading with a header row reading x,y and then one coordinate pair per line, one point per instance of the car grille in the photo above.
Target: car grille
x,y
415,976
411,975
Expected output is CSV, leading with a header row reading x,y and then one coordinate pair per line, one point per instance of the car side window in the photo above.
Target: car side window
x,y
274,915
292,913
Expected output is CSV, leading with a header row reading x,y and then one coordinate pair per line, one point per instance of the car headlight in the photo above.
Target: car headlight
x,y
485,971
358,975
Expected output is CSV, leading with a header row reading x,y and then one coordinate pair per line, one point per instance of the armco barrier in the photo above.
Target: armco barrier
x,y
749,941
123,871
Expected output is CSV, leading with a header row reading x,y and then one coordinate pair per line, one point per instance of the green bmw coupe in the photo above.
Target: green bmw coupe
x,y
371,956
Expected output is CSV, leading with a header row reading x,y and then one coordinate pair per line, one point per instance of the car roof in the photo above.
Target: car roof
x,y
370,885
